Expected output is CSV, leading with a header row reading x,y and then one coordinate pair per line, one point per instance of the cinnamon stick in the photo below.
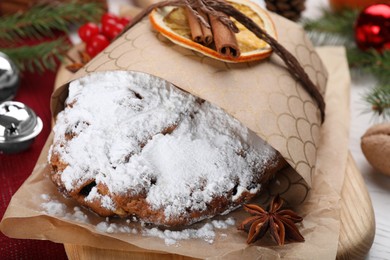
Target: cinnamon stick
x,y
207,34
199,32
214,6
224,39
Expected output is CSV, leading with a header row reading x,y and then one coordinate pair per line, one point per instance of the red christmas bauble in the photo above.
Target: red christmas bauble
x,y
372,28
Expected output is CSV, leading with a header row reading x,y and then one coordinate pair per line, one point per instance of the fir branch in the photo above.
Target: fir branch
x,y
42,20
379,99
38,57
371,61
338,28
339,24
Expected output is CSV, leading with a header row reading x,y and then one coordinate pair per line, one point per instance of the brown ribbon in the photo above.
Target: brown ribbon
x,y
213,7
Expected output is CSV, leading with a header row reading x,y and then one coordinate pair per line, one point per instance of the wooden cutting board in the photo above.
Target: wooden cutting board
x,y
357,216
357,229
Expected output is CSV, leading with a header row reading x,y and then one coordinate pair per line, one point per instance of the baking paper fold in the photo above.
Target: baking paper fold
x,y
25,217
264,97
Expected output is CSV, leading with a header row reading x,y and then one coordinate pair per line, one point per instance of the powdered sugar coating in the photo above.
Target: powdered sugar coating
x,y
58,209
136,133
206,232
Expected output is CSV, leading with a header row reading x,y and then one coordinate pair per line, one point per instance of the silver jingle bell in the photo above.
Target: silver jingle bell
x,y
9,78
19,125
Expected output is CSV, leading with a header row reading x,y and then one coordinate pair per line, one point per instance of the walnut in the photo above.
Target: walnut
x,y
375,144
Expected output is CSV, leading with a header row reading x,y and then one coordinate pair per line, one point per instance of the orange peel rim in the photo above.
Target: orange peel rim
x,y
254,55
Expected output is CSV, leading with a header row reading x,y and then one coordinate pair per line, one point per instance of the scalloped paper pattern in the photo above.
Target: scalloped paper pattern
x,y
262,95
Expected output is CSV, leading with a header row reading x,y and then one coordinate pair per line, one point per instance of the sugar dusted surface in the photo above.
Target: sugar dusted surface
x,y
118,121
111,228
56,208
205,232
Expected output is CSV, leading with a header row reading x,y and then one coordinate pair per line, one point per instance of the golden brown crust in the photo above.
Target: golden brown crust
x,y
218,163
137,206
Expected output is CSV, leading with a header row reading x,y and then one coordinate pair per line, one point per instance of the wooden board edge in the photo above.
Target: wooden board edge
x,y
357,217
357,230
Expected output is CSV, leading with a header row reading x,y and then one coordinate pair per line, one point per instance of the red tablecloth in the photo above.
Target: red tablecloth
x,y
35,91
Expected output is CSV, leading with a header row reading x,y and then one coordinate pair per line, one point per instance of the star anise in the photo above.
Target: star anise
x,y
280,223
76,65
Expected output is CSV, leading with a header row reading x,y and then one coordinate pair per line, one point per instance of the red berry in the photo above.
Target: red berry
x,y
107,26
96,44
111,29
109,17
87,31
124,21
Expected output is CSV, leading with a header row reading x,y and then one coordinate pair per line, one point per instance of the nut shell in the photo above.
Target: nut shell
x,y
375,145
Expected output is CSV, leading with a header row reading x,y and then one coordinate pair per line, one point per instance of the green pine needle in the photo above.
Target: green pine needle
x,y
338,28
42,20
340,24
379,99
39,57
371,61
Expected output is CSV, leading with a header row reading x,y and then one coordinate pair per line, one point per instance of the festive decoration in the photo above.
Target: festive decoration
x,y
372,28
38,57
87,31
339,5
217,41
9,78
375,145
290,9
379,98
280,223
42,21
219,10
338,29
8,7
112,25
97,40
19,125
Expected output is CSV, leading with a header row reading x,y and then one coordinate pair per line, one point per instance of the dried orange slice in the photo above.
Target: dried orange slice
x,y
173,24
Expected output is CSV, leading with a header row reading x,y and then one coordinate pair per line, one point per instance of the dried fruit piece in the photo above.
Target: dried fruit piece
x,y
172,23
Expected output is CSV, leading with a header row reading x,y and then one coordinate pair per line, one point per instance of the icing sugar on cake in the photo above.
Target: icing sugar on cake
x,y
132,144
206,232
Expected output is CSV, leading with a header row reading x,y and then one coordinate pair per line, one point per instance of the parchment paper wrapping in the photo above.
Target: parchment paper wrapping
x,y
264,97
